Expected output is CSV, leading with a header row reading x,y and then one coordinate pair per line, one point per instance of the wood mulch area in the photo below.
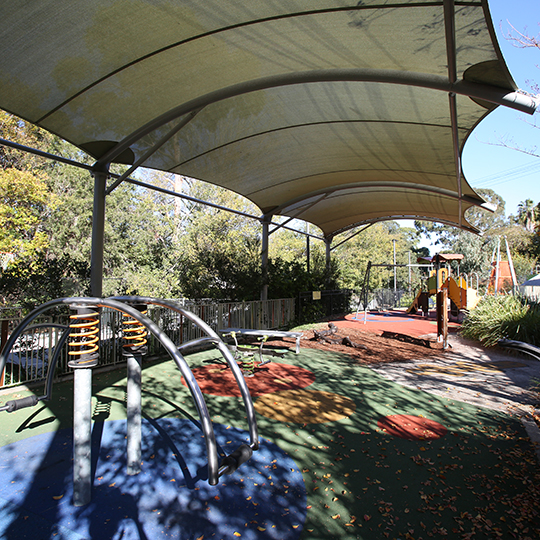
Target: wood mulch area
x,y
378,348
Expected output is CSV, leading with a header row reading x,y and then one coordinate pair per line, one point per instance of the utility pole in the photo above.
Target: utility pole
x,y
395,273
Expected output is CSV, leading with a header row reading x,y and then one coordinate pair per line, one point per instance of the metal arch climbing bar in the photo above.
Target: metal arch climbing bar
x,y
204,416
16,404
206,424
213,338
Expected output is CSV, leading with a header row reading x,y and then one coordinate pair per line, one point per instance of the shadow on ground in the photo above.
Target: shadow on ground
x,y
346,479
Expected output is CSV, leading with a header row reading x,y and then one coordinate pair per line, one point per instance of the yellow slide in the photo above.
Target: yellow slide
x,y
462,296
414,307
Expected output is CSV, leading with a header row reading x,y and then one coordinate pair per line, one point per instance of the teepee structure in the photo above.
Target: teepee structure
x,y
503,276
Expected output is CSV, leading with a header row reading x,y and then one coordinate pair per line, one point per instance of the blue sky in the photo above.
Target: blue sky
x,y
513,175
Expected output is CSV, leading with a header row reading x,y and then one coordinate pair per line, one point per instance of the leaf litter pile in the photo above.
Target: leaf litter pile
x,y
480,481
477,482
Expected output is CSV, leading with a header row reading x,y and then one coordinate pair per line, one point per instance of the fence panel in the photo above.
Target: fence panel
x,y
312,307
28,360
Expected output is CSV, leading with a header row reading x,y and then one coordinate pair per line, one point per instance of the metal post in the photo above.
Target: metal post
x,y
134,347
327,243
410,275
134,436
395,274
308,262
82,436
98,232
84,333
264,257
3,339
511,265
498,265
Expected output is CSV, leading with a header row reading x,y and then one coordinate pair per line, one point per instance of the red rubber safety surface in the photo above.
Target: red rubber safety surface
x,y
218,380
395,321
413,428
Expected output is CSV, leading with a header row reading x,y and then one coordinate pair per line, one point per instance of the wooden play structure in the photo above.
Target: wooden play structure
x,y
502,279
445,287
461,295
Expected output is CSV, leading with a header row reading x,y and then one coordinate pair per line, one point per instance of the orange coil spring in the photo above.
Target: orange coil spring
x,y
85,330
134,332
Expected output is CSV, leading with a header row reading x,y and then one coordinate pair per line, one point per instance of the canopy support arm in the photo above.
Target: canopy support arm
x,y
279,225
351,236
139,183
468,228
152,150
450,32
496,95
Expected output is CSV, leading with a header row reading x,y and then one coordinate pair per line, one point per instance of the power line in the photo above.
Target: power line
x,y
508,175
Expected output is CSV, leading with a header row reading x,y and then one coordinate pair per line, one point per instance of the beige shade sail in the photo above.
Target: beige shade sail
x,y
337,112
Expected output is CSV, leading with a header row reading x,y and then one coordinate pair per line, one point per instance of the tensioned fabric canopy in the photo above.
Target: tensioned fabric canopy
x,y
338,112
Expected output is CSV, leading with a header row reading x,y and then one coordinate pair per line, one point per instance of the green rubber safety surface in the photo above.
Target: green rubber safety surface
x,y
478,479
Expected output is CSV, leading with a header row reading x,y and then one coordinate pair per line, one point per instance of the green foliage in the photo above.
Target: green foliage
x,y
486,222
376,244
158,245
478,250
288,279
44,280
524,266
503,316
217,253
24,202
15,129
527,214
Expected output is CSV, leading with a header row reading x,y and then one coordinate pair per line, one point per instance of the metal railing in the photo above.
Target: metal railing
x,y
28,360
314,305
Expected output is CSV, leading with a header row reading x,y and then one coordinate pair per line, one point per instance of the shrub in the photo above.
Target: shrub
x,y
503,316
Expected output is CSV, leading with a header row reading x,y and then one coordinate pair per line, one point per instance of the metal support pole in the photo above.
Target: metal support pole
x,y
498,265
134,348
410,273
3,339
134,436
308,262
395,274
511,265
328,243
98,232
264,257
82,436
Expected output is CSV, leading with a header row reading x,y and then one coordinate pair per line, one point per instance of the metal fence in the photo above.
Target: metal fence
x,y
386,299
29,358
314,305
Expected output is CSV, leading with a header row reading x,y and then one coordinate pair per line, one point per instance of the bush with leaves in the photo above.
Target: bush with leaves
x,y
503,317
43,280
